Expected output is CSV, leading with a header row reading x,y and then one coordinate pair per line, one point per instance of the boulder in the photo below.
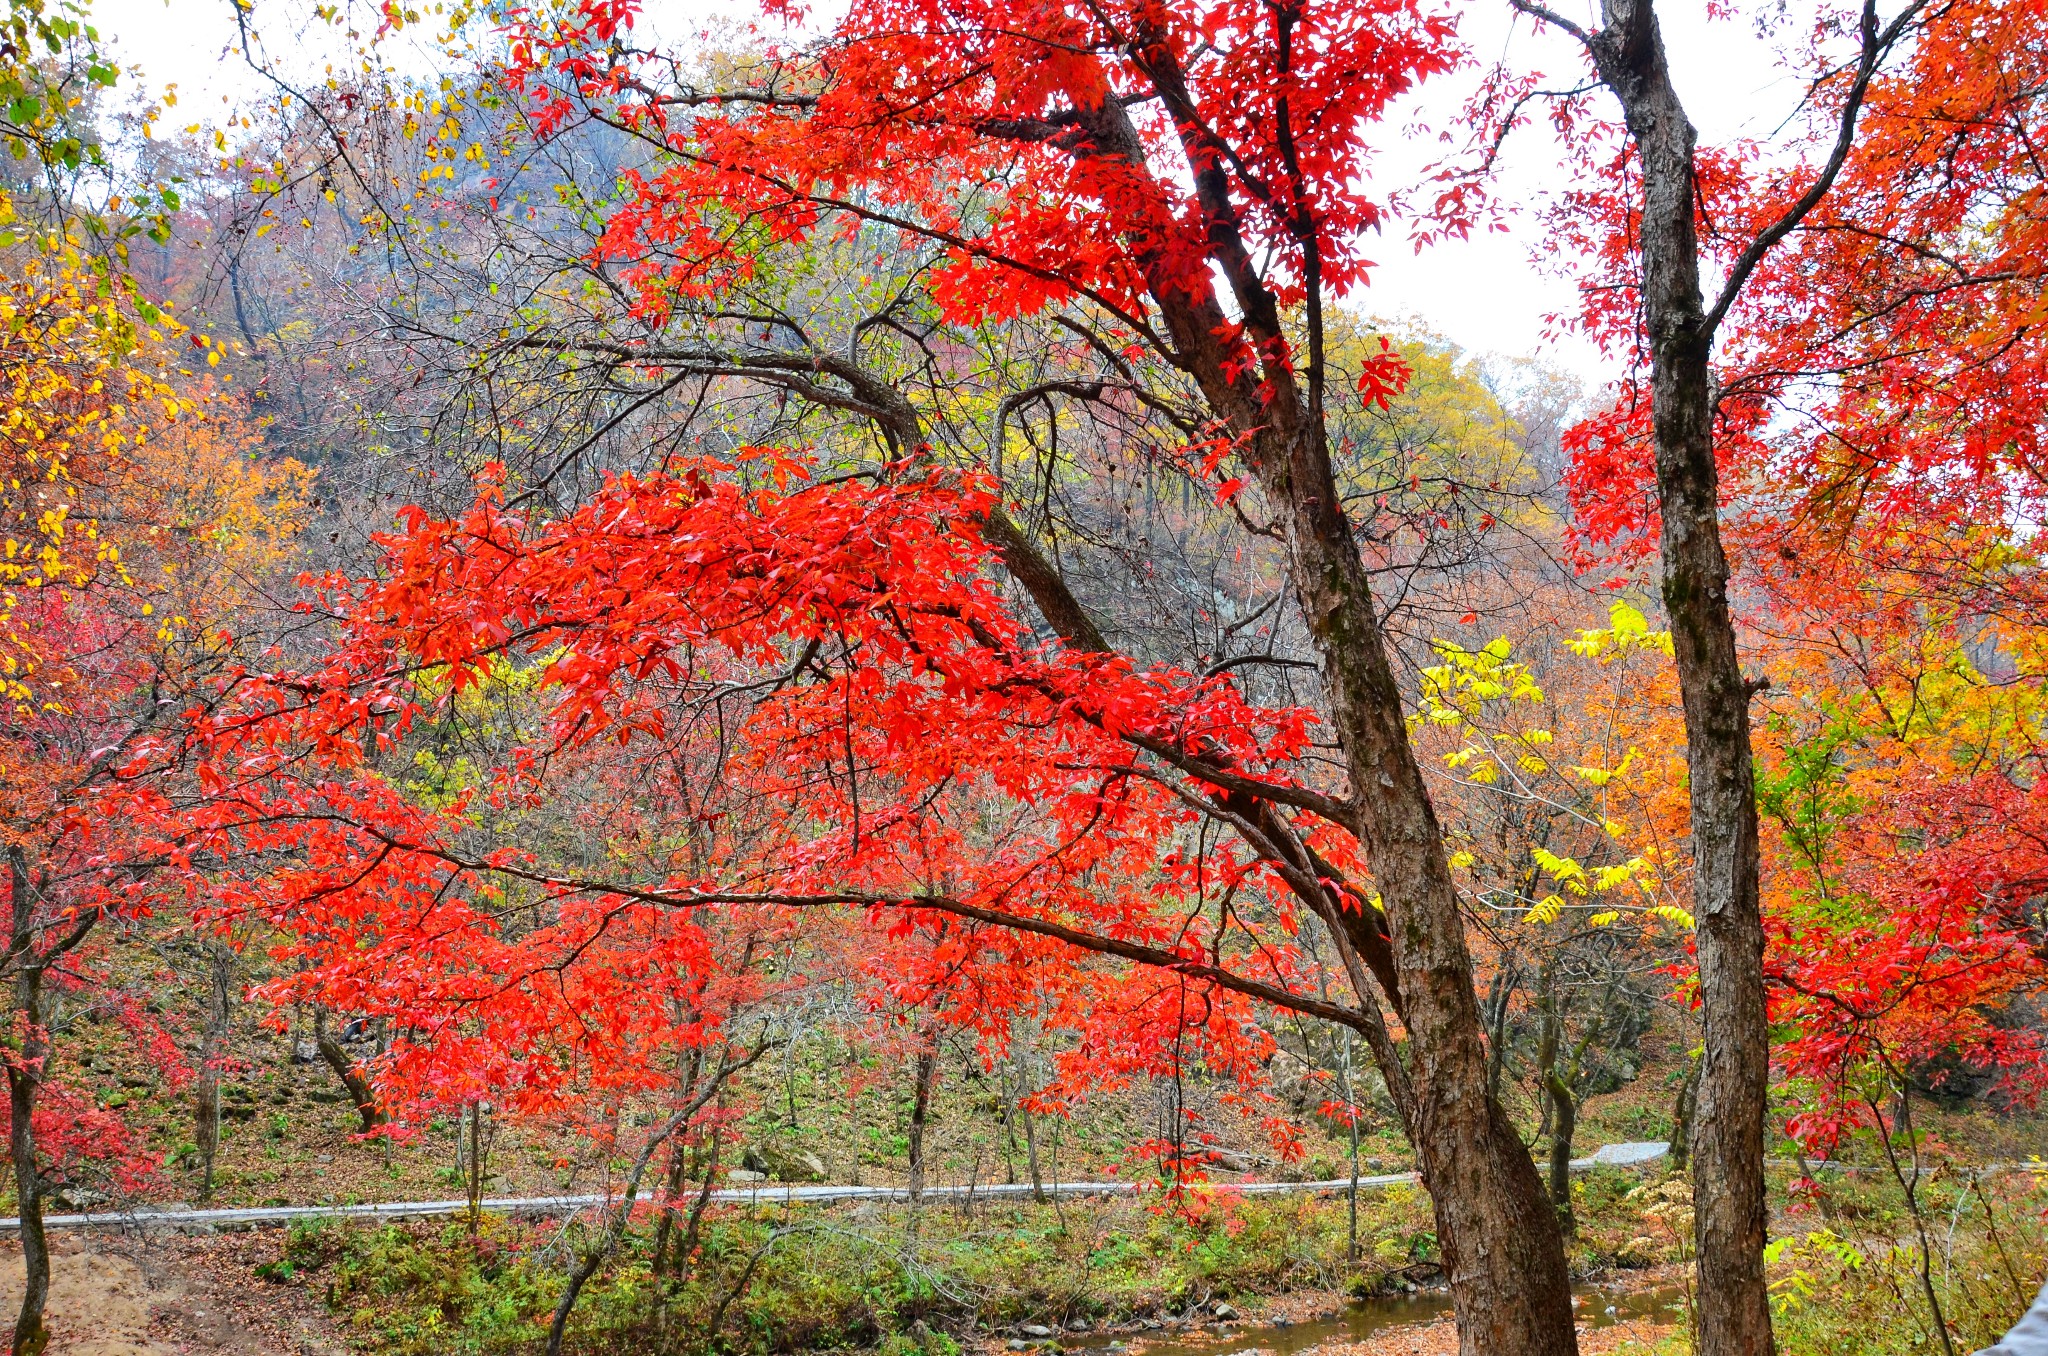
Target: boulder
x,y
78,1198
781,1164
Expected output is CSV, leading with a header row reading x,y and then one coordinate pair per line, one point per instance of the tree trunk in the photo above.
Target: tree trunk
x,y
25,1067
1031,1157
30,1334
674,1261
359,1090
1564,1123
1499,995
220,961
1351,1129
671,1187
688,1066
1502,1251
1560,1109
1026,1068
587,1261
924,1073
479,1164
1909,1186
1683,1108
1728,1143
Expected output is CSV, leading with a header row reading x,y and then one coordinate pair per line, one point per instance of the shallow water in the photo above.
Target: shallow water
x,y
1599,1306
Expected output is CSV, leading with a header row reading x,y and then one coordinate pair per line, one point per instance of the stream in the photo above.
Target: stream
x,y
1598,1307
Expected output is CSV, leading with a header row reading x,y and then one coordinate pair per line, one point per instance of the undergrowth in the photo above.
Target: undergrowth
x,y
843,1277
1845,1270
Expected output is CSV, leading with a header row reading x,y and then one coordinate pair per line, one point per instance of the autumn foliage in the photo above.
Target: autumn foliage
x,y
579,777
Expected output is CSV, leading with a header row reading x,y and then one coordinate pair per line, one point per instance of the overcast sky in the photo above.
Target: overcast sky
x,y
1485,294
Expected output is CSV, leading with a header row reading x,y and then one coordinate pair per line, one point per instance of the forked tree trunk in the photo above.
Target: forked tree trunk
x,y
1502,1252
1728,1138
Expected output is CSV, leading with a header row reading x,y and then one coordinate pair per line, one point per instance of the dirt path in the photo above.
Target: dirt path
x,y
170,1296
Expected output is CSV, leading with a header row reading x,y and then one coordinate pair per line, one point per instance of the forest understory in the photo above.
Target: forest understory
x,y
1088,1277
987,1276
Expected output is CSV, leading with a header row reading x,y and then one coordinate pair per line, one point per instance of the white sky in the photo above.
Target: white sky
x,y
1485,294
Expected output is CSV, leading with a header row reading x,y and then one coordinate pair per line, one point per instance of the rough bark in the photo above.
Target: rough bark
x,y
1728,1181
25,1067
1502,1252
